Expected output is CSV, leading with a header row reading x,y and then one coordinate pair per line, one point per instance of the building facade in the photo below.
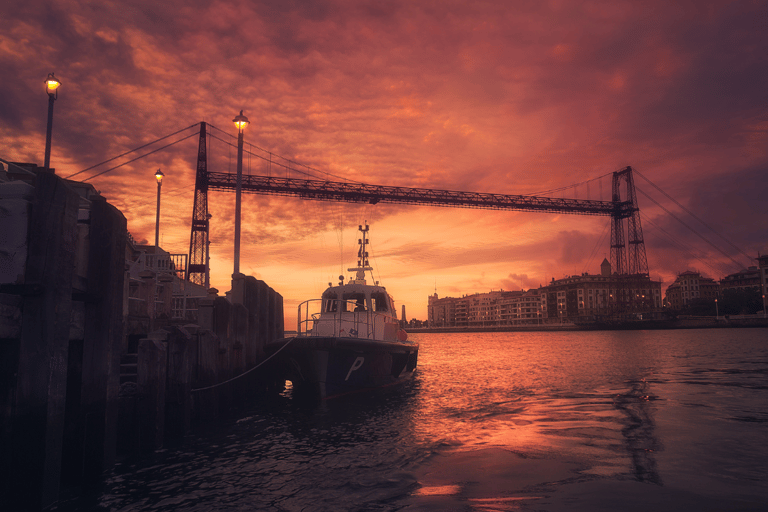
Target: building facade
x,y
743,279
688,286
492,309
590,296
582,297
762,264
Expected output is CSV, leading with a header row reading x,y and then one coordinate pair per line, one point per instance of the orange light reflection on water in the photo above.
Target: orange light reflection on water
x,y
533,393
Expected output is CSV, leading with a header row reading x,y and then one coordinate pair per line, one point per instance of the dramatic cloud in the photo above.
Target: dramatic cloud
x,y
520,97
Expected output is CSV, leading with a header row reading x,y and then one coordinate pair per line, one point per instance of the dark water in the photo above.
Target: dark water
x,y
647,420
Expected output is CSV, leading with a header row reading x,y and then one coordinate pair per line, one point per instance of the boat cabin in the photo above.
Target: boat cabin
x,y
355,309
344,299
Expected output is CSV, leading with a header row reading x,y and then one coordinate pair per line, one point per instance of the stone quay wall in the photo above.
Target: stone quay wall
x,y
70,404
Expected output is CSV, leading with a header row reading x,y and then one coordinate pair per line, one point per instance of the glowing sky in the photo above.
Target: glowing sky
x,y
486,96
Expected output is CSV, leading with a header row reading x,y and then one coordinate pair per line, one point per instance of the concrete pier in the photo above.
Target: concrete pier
x,y
96,362
37,292
61,293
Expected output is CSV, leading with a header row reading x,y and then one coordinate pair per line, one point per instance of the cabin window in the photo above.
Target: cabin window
x,y
330,304
379,302
354,302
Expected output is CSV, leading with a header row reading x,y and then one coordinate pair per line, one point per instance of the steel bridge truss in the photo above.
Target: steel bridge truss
x,y
374,194
624,262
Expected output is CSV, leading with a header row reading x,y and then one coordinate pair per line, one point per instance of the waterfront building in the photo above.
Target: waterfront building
x,y
748,278
156,289
524,307
762,263
492,309
590,296
581,297
690,285
441,312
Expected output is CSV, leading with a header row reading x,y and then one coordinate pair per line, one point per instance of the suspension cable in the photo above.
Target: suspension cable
x,y
131,151
596,248
670,238
139,157
569,186
284,166
738,265
689,212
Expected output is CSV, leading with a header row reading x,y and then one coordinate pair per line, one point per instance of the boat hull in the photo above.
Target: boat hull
x,y
329,367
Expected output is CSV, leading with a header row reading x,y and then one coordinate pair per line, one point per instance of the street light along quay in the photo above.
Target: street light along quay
x,y
240,122
159,177
52,85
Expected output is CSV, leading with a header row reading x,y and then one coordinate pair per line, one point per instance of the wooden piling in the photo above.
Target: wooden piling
x,y
103,338
151,389
178,402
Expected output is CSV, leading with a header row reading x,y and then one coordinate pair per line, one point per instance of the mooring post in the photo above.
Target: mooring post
x,y
103,338
151,375
206,401
178,383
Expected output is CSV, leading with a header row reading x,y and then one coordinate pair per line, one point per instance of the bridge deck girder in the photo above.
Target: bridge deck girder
x,y
365,193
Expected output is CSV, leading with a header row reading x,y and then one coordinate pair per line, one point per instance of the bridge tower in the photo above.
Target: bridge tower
x,y
197,270
628,257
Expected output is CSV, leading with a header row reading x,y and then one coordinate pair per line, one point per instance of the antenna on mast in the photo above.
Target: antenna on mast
x,y
362,257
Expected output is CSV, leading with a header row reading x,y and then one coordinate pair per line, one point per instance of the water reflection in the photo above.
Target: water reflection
x,y
639,430
490,422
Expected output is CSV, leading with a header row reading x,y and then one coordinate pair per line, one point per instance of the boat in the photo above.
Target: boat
x,y
347,341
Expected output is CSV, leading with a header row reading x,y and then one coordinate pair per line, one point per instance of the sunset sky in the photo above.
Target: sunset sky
x,y
517,97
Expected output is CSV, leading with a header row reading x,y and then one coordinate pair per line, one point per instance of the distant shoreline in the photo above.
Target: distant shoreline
x,y
679,323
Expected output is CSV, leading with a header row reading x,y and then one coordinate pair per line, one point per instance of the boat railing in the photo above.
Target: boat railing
x,y
343,319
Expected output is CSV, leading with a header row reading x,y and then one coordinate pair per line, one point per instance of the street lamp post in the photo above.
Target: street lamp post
x,y
240,122
159,177
155,265
51,87
717,311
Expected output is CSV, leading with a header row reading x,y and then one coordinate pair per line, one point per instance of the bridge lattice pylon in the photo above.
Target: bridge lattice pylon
x,y
198,269
628,257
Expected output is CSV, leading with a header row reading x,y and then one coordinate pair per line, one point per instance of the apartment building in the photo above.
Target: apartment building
x,y
688,286
590,295
743,279
762,264
570,298
495,308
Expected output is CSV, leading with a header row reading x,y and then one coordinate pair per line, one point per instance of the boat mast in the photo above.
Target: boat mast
x,y
362,257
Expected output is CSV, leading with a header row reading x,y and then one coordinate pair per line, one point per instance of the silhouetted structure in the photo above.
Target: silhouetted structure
x,y
103,348
198,269
628,255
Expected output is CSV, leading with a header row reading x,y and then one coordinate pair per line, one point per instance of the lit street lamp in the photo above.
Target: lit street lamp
x,y
52,85
717,311
159,177
240,122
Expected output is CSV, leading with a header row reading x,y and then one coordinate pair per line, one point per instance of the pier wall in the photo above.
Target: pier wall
x,y
199,372
86,374
61,280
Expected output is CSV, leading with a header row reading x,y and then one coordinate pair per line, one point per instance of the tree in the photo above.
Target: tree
x,y
741,301
702,307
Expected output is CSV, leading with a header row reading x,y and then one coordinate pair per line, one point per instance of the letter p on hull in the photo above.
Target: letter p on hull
x,y
357,364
